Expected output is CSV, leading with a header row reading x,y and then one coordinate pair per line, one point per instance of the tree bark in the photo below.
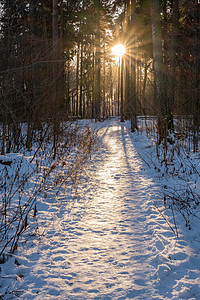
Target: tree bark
x,y
158,68
55,74
173,50
77,79
98,68
81,82
122,90
133,94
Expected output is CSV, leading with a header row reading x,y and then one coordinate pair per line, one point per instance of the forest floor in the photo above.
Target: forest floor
x,y
107,239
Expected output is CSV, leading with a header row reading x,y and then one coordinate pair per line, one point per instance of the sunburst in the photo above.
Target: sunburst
x,y
118,50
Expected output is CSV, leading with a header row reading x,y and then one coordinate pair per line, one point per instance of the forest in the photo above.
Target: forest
x,y
56,63
105,86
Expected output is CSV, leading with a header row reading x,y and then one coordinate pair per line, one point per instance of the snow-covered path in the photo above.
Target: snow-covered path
x,y
109,242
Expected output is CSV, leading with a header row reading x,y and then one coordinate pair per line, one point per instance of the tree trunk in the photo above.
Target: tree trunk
x,y
127,85
127,28
158,68
55,74
196,68
118,88
122,90
98,72
173,49
133,94
77,79
81,82
93,84
104,82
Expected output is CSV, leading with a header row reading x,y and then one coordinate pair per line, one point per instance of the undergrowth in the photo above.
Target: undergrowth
x,y
179,167
25,177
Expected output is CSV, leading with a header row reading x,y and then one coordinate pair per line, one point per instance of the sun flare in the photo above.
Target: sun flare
x,y
118,50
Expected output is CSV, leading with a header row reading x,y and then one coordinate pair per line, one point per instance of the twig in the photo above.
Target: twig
x,y
174,220
166,220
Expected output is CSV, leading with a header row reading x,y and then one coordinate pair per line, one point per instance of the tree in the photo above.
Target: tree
x,y
173,54
158,68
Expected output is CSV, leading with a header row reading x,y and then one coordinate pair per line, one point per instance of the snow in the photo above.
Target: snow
x,y
107,238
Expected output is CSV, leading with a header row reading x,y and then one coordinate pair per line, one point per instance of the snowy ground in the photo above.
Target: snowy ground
x,y
107,239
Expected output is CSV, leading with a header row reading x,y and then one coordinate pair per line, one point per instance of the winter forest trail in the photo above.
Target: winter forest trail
x,y
110,243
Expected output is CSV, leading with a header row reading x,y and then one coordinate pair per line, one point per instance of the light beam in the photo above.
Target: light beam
x,y
118,50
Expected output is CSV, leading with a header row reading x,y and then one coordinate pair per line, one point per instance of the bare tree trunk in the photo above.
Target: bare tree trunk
x,y
98,73
3,138
196,67
133,98
111,93
127,60
29,110
67,82
144,87
55,32
104,82
77,80
127,86
122,90
81,83
64,93
133,94
173,49
93,83
118,88
158,67
55,73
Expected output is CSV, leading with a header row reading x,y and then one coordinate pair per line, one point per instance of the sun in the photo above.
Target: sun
x,y
118,50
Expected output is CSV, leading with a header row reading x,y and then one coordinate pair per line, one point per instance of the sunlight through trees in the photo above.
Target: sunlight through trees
x,y
57,62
